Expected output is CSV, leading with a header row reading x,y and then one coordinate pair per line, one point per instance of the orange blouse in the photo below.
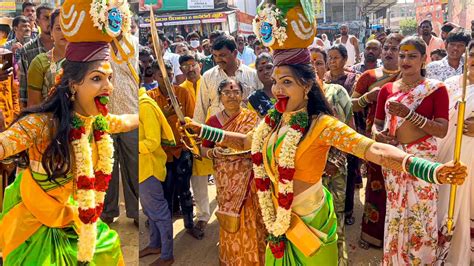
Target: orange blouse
x,y
34,132
311,154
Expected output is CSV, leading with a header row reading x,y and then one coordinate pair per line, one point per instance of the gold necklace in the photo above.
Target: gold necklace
x,y
390,71
405,86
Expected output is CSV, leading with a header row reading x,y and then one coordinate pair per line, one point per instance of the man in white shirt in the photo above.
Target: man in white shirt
x,y
245,53
452,64
224,52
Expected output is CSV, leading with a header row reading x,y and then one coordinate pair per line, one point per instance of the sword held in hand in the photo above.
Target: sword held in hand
x,y
191,142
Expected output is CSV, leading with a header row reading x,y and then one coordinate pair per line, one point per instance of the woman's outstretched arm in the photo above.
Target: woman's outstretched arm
x,y
232,140
344,138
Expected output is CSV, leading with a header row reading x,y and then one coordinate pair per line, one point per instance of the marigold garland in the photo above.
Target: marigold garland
x,y
91,186
277,224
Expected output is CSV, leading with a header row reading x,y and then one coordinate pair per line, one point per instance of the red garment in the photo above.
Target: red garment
x,y
365,81
427,108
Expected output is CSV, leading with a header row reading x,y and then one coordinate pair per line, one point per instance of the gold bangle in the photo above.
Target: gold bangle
x,y
207,154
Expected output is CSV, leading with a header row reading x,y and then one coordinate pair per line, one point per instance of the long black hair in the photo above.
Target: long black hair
x,y
317,103
56,159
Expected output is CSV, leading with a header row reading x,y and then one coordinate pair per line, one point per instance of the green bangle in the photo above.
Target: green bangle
x,y
424,170
205,132
212,134
220,136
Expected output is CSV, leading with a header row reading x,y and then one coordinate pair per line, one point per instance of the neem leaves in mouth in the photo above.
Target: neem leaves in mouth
x,y
104,100
101,103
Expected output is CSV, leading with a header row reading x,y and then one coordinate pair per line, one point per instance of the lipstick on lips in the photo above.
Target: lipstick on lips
x,y
101,102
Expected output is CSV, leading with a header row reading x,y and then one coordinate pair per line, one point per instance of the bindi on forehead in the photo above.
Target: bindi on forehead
x,y
408,48
105,67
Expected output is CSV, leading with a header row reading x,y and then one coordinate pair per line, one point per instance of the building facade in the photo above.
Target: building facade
x,y
397,13
432,10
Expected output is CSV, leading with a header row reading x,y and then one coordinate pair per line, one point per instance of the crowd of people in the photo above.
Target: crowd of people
x,y
287,128
398,91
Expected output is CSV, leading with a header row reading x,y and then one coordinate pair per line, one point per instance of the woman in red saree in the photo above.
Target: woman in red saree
x,y
242,232
410,113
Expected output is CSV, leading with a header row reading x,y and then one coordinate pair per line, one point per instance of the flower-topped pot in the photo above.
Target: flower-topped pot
x,y
278,29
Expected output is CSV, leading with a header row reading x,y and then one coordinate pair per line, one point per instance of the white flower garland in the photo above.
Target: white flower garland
x,y
90,198
279,224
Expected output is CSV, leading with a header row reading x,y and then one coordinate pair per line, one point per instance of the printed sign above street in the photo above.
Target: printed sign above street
x,y
200,4
175,5
183,19
7,7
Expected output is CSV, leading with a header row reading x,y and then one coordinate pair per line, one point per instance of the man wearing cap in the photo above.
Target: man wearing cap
x,y
432,42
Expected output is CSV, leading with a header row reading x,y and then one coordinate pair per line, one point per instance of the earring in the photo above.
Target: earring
x,y
73,95
306,96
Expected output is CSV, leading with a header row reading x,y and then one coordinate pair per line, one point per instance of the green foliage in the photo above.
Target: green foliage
x,y
301,119
101,123
77,122
408,26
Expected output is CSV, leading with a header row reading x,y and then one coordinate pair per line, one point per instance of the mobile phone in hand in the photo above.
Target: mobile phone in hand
x,y
6,60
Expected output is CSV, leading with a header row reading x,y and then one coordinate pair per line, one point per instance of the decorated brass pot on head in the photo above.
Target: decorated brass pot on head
x,y
94,20
285,24
87,21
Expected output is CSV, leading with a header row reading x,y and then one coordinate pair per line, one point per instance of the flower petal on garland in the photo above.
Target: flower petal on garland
x,y
257,158
285,200
285,174
262,184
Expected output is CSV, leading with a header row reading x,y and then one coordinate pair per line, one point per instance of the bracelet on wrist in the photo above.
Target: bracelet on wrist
x,y
209,155
362,101
404,162
424,170
213,134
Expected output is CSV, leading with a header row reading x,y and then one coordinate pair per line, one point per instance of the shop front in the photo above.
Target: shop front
x,y
174,24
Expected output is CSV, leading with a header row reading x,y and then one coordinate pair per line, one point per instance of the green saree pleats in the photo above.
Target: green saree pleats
x,y
324,221
49,246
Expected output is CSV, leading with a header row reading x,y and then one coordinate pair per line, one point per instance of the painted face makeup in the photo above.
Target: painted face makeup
x,y
286,89
92,94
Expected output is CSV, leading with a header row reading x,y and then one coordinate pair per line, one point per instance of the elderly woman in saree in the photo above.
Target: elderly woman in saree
x,y
458,251
239,216
411,113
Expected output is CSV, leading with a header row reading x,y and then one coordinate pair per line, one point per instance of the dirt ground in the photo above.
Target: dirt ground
x,y
189,251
